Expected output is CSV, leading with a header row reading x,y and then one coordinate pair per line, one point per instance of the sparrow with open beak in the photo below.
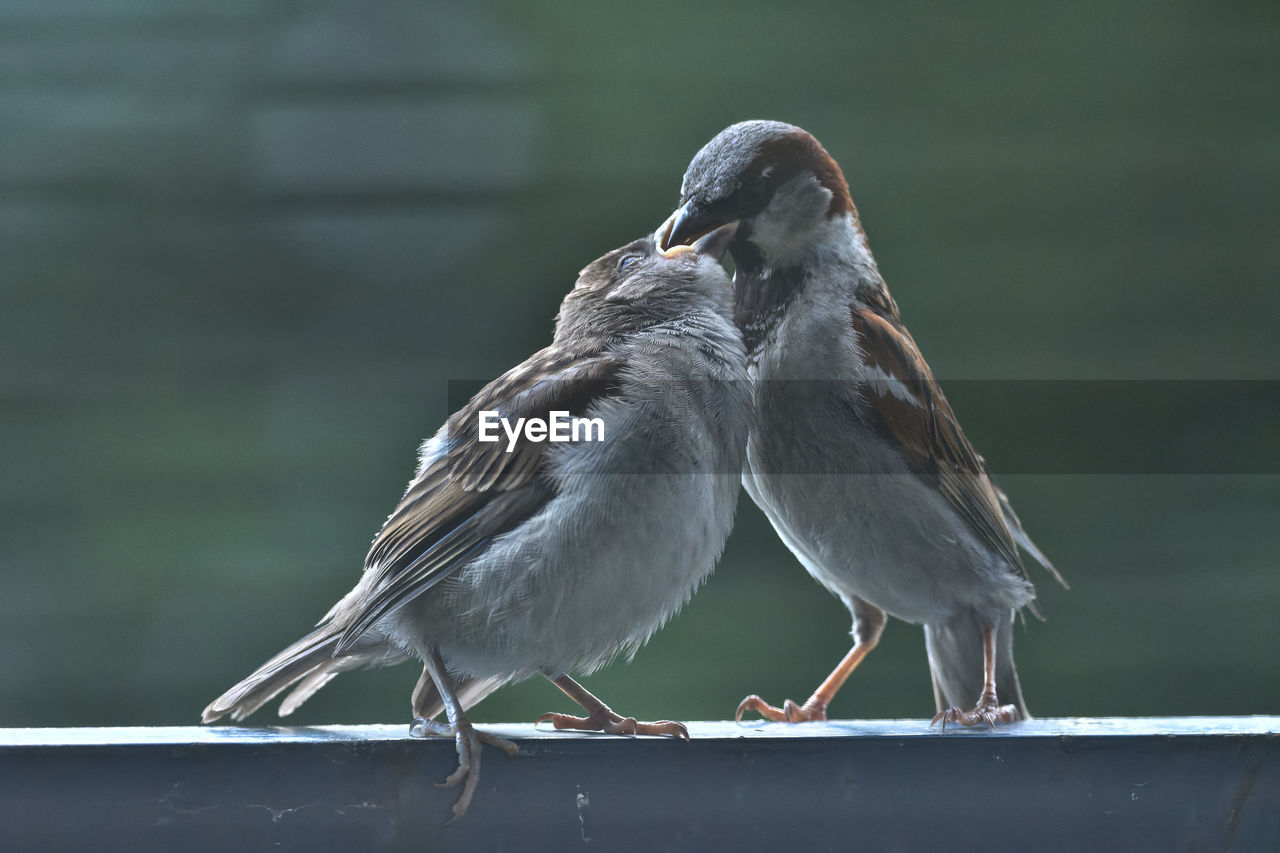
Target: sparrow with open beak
x,y
520,556
854,453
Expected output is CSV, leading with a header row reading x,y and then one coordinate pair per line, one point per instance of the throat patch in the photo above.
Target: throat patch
x,y
759,301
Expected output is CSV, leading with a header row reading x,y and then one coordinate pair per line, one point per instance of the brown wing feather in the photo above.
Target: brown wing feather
x,y
476,490
927,430
550,379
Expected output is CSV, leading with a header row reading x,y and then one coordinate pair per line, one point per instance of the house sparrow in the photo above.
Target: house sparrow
x,y
854,453
520,556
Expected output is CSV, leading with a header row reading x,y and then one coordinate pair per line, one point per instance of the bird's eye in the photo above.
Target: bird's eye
x,y
753,190
626,261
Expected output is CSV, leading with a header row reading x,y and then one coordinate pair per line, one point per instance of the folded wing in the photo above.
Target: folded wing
x,y
473,491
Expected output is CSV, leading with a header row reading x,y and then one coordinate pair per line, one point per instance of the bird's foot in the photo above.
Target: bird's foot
x,y
430,728
605,720
790,712
468,741
988,712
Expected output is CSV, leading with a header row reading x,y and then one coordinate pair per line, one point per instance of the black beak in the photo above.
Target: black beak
x,y
684,226
713,243
716,241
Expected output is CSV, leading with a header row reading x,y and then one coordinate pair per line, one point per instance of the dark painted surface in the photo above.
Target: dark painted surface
x,y
1159,785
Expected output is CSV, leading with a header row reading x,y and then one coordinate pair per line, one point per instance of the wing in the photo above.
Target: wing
x,y
471,491
914,414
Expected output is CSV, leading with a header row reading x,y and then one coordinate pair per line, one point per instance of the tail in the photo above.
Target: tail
x,y
309,661
955,646
1024,541
955,661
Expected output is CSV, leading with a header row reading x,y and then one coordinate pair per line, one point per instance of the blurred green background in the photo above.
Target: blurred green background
x,y
244,246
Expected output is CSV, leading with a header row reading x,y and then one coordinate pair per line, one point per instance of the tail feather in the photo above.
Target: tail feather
x,y
1024,541
309,659
955,661
307,688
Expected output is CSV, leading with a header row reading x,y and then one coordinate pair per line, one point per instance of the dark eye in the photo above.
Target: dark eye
x,y
626,261
753,190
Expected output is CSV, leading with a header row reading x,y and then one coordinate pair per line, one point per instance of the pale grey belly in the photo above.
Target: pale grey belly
x,y
592,578
873,529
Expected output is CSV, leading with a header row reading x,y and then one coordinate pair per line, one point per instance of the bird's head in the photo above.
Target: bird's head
x,y
775,178
641,284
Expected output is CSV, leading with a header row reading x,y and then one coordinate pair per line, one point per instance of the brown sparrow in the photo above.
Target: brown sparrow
x,y
854,453
525,555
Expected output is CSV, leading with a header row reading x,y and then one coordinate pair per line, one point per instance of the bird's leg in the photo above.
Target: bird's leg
x,y
600,717
868,625
424,696
988,710
459,728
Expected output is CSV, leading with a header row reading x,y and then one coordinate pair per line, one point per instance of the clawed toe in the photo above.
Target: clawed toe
x,y
790,712
507,746
601,718
661,728
422,727
468,772
430,728
456,777
987,712
568,721
467,741
614,724
761,707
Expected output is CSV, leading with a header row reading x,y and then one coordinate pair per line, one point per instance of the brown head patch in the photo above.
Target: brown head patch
x,y
801,152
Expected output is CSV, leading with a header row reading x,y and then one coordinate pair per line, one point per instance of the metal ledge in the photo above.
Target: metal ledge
x,y
1066,784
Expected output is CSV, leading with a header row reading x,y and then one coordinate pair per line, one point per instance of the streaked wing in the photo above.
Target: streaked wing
x,y
915,415
552,379
475,491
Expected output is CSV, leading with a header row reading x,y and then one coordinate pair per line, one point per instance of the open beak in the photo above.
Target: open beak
x,y
716,241
682,232
667,230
